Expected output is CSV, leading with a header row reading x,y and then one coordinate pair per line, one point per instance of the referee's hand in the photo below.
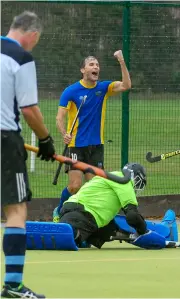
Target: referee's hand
x,y
46,149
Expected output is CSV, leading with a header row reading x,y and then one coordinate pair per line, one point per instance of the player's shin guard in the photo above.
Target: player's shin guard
x,y
64,196
150,240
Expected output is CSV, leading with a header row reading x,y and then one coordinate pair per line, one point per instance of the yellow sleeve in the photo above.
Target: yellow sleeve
x,y
67,107
110,91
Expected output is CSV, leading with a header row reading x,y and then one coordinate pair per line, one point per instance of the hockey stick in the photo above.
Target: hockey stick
x,y
152,159
66,146
86,168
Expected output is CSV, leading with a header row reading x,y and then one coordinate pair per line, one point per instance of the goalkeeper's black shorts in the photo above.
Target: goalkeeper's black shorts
x,y
80,220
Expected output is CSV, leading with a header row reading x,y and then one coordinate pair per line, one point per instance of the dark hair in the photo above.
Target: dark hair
x,y
27,21
83,62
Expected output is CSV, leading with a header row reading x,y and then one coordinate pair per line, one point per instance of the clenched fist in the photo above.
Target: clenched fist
x,y
67,138
119,56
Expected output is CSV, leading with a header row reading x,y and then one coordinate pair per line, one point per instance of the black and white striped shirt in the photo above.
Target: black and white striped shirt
x,y
18,83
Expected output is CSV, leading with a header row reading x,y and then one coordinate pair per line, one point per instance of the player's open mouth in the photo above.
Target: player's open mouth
x,y
95,73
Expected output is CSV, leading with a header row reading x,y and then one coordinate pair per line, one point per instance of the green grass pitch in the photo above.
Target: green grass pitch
x,y
115,271
154,126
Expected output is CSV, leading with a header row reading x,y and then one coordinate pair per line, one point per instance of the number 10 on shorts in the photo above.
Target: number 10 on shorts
x,y
74,157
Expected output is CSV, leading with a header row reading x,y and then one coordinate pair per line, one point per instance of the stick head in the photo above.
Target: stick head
x,y
152,159
148,156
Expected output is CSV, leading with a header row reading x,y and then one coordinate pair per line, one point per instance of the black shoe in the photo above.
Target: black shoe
x,y
20,292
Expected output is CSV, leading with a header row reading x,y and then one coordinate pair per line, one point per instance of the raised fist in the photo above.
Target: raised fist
x,y
119,55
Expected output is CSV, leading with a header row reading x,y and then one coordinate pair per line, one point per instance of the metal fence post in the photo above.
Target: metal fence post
x,y
125,95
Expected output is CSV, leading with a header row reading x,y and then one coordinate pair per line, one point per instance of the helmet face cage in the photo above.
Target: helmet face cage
x,y
139,182
138,176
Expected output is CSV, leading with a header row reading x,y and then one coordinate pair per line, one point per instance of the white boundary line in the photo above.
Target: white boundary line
x,y
103,260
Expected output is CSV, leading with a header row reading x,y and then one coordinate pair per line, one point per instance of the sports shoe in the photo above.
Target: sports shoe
x,y
19,292
56,217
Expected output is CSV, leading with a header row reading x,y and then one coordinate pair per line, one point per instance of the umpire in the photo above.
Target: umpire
x,y
19,91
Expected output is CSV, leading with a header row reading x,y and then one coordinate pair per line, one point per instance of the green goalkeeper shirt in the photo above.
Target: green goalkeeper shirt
x,y
104,198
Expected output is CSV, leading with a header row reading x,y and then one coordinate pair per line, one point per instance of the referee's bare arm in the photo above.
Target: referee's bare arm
x,y
125,84
26,94
34,119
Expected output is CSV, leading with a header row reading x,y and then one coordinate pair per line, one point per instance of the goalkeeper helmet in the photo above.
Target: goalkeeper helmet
x,y
138,175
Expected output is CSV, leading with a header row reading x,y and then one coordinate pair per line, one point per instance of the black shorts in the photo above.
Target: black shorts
x,y
80,220
14,178
92,154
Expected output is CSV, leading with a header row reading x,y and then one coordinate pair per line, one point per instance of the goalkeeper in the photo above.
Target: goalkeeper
x,y
92,209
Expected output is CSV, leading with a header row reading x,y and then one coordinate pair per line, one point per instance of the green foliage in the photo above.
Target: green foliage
x,y
155,47
73,31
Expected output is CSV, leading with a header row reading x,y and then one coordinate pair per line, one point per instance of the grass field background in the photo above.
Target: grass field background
x,y
154,126
115,271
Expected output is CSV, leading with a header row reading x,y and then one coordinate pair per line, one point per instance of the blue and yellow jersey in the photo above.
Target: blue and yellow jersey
x,y
89,128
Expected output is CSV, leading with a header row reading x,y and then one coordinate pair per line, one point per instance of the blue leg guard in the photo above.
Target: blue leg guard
x,y
150,240
167,228
50,236
169,220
